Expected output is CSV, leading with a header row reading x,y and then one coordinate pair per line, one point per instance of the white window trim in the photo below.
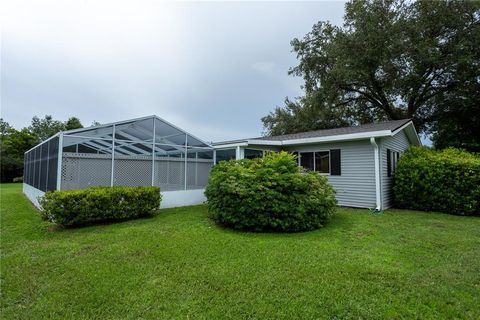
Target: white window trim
x,y
394,158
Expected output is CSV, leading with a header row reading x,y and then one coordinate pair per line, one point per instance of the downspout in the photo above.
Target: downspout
x,y
376,156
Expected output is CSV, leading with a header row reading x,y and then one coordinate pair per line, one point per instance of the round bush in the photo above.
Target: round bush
x,y
269,194
446,181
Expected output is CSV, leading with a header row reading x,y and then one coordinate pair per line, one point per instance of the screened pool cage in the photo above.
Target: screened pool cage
x,y
140,152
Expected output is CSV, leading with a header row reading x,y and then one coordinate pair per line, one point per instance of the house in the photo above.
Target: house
x,y
358,161
147,151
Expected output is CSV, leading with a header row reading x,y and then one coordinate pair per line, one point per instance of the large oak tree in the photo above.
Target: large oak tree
x,y
389,60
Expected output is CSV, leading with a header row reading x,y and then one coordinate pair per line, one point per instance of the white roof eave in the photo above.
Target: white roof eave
x,y
335,138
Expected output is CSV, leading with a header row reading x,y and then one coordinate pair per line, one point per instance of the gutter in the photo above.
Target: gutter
x,y
376,155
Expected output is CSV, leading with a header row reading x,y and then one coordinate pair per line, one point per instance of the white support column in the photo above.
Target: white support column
x,y
59,161
376,156
214,156
113,156
237,153
186,157
153,154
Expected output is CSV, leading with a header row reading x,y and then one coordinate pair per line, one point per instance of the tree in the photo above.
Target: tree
x,y
4,128
46,127
13,144
73,123
457,122
390,60
304,115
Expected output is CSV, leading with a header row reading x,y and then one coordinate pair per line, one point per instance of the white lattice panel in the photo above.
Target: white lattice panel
x,y
85,170
80,173
176,176
132,172
161,172
191,173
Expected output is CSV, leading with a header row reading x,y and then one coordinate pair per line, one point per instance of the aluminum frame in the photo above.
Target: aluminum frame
x,y
128,139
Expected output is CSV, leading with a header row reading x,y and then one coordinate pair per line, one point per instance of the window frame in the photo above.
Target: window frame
x,y
254,149
216,161
314,164
394,158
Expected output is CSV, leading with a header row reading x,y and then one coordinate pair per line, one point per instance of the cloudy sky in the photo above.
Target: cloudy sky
x,y
212,68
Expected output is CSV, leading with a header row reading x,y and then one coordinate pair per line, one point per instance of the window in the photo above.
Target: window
x,y
252,153
392,160
318,161
306,161
228,154
322,161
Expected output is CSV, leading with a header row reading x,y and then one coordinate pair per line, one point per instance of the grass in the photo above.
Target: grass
x,y
178,265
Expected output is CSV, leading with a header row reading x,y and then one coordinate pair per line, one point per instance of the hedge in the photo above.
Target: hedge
x,y
269,194
77,207
446,181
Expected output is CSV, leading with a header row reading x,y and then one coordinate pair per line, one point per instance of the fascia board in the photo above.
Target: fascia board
x,y
343,137
230,145
264,142
414,131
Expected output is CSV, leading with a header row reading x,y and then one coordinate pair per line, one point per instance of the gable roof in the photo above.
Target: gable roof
x,y
371,127
379,129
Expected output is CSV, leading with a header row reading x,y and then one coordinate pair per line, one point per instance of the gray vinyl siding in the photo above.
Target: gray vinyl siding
x,y
398,143
355,187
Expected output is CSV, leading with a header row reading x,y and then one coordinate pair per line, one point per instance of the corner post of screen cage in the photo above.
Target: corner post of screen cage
x,y
186,157
153,153
59,161
113,156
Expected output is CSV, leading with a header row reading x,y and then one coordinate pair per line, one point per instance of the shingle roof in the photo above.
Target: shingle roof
x,y
371,127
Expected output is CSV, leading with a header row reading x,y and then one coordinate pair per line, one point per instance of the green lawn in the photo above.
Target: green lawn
x,y
179,265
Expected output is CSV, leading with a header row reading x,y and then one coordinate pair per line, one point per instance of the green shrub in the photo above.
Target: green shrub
x,y
269,194
446,181
78,207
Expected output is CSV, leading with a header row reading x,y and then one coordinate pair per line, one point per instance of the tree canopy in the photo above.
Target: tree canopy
x,y
47,127
389,60
14,143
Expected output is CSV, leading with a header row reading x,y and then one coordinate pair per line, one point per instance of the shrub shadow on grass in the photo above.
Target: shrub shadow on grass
x,y
335,222
56,227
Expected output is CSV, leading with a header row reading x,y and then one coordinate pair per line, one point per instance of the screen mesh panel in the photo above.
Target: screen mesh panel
x,y
43,167
36,182
31,156
40,166
52,164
